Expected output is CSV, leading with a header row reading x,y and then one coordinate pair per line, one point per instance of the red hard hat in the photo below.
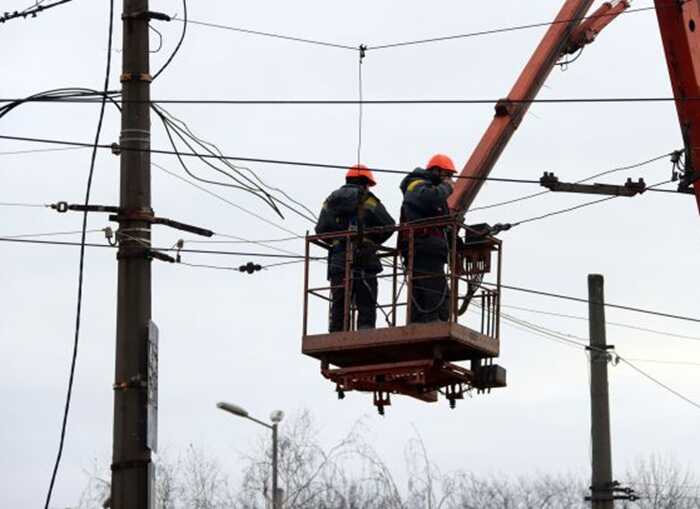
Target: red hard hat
x,y
360,170
442,162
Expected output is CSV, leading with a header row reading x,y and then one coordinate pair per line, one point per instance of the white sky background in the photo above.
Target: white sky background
x,y
226,336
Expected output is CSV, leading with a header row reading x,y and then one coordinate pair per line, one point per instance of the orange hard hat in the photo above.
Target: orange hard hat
x,y
360,170
442,162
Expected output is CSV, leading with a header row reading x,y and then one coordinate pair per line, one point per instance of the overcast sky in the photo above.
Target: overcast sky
x,y
227,336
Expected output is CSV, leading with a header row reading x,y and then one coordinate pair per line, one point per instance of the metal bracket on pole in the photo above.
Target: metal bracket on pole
x,y
120,214
629,189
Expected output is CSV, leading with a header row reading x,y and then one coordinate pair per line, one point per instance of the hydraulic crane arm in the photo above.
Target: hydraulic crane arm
x,y
566,34
679,22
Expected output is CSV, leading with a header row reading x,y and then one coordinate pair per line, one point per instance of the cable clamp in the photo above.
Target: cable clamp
x,y
61,206
135,383
161,16
130,464
136,76
363,50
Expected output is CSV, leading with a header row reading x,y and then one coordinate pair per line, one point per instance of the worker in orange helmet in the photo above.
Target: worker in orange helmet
x,y
425,192
353,207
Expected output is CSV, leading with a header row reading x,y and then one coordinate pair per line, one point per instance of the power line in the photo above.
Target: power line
x,y
411,42
81,263
39,150
500,30
47,234
585,301
225,200
365,102
25,205
560,337
272,35
258,160
659,361
614,324
659,383
31,11
583,205
161,249
600,174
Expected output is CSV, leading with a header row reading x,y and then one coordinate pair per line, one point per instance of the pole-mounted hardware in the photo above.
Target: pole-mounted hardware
x,y
630,188
610,492
119,214
250,267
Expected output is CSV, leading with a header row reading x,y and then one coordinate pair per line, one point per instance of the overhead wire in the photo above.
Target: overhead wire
x,y
586,301
501,30
273,35
31,11
39,150
579,206
259,160
89,99
614,324
179,43
599,174
25,205
81,263
155,248
566,338
252,183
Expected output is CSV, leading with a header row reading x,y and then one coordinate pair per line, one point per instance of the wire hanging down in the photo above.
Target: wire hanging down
x,y
81,263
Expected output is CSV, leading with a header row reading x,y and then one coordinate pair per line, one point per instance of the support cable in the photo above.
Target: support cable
x,y
272,35
81,264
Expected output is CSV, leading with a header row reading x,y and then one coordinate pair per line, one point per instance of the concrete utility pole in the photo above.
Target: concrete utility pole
x,y
601,479
132,470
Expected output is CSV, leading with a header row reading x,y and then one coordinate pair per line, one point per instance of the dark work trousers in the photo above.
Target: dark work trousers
x,y
364,295
431,295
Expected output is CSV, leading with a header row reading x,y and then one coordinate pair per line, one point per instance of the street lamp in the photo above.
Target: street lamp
x,y
275,417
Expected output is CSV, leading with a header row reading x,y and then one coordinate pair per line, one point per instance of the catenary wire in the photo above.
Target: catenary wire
x,y
500,30
271,35
81,264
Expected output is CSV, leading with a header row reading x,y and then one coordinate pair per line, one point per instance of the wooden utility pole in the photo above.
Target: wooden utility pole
x,y
601,479
134,411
